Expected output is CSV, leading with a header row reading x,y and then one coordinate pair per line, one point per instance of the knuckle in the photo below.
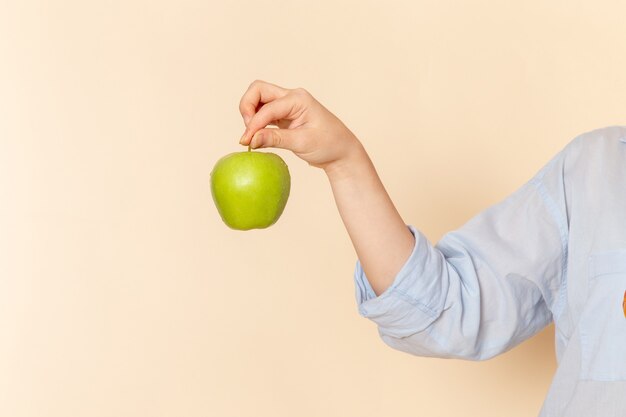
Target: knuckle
x,y
276,139
256,83
301,92
243,105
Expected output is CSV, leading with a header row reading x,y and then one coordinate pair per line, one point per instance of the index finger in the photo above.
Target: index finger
x,y
259,92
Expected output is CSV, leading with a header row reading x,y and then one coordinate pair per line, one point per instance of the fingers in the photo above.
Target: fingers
x,y
282,108
259,92
279,138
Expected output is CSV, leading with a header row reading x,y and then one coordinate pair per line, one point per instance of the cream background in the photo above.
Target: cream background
x,y
121,291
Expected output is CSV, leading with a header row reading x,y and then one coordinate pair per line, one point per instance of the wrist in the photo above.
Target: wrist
x,y
354,163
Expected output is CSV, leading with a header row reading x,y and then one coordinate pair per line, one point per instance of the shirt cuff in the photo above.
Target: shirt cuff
x,y
413,301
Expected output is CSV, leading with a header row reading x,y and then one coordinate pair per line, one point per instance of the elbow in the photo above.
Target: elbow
x,y
429,342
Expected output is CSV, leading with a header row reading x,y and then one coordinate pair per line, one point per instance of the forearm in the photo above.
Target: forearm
x,y
380,237
382,241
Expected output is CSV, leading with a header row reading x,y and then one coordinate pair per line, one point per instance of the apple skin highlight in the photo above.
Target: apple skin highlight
x,y
250,189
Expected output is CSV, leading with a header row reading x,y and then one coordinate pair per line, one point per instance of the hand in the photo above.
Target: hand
x,y
382,241
305,127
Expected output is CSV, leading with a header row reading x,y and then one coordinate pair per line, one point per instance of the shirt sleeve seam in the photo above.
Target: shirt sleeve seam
x,y
414,302
558,305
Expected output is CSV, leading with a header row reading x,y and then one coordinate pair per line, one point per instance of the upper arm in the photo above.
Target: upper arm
x,y
484,287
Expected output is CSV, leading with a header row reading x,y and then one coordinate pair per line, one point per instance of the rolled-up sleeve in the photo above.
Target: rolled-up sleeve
x,y
408,305
483,288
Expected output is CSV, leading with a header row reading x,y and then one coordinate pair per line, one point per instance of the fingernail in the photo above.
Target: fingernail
x,y
243,136
256,139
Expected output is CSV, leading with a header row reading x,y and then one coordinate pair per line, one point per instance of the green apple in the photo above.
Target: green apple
x,y
250,189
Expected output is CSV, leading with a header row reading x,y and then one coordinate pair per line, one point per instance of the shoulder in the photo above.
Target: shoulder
x,y
597,141
591,158
601,148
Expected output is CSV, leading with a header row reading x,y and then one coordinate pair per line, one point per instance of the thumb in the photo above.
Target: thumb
x,y
275,138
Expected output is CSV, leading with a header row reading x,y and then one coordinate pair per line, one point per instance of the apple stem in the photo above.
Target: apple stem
x,y
249,148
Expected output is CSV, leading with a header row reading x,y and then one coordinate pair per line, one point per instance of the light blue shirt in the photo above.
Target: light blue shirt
x,y
554,250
